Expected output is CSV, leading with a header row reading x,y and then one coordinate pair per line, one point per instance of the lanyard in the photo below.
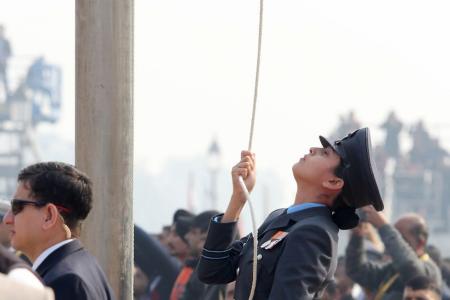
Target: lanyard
x,y
385,286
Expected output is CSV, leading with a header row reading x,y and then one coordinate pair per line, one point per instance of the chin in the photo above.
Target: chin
x,y
296,172
16,245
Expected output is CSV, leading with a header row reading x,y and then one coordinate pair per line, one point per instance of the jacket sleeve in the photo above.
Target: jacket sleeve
x,y
69,287
404,258
153,258
366,273
220,256
304,264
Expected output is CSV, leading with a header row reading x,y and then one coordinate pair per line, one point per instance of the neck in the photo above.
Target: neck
x,y
311,195
420,252
39,249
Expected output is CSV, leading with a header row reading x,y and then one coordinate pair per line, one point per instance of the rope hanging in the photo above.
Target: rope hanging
x,y
258,61
241,181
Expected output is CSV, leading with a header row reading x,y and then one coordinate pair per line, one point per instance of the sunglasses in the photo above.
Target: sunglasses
x,y
17,205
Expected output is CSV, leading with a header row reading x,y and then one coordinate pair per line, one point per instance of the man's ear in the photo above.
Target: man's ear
x,y
51,216
334,184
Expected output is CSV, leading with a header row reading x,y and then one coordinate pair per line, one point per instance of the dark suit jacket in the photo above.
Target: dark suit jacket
x,y
298,267
73,273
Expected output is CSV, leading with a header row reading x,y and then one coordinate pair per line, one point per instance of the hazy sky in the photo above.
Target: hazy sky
x,y
195,65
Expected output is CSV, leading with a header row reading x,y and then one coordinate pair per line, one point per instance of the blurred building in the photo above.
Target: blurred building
x,y
34,97
415,180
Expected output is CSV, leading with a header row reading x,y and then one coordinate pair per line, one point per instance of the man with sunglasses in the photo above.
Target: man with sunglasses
x,y
49,204
11,266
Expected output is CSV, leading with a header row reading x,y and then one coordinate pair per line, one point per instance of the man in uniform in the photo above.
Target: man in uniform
x,y
297,246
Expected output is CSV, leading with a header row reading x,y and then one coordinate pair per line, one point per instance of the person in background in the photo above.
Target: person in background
x,y
13,268
404,242
5,239
436,256
182,225
5,234
421,288
163,236
141,285
344,284
159,268
196,236
331,292
176,241
11,289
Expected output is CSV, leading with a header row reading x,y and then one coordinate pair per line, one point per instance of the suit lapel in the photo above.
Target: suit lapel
x,y
57,256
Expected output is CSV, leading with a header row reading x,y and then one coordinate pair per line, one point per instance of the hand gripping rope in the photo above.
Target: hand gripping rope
x,y
241,181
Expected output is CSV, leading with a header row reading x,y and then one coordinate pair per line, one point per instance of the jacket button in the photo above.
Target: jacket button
x,y
259,257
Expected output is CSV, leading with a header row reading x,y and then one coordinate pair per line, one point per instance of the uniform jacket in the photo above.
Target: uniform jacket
x,y
73,273
372,275
298,267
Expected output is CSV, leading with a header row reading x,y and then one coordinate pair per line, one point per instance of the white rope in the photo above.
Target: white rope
x,y
255,238
258,61
241,181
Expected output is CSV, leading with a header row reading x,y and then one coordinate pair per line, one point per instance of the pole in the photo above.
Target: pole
x,y
104,132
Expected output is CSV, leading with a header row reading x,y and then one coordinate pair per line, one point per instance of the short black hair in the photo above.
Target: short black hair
x,y
339,170
423,283
181,222
202,220
180,214
61,184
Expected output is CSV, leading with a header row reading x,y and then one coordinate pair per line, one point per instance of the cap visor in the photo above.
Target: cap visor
x,y
325,143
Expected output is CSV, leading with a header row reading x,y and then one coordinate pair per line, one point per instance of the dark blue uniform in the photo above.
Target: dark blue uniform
x,y
297,267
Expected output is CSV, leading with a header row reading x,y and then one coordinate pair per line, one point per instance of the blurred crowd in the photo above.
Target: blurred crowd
x,y
165,263
381,261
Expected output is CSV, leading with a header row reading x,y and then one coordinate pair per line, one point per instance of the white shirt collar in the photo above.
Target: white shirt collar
x,y
47,252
